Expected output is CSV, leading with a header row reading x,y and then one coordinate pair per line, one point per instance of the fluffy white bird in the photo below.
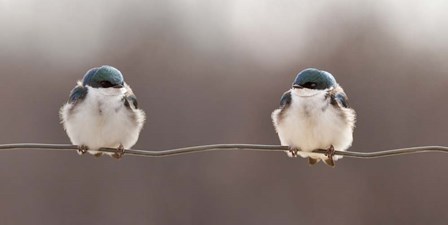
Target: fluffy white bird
x,y
102,111
314,114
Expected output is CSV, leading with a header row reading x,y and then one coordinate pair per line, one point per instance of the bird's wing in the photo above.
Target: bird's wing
x,y
77,94
339,97
130,101
285,99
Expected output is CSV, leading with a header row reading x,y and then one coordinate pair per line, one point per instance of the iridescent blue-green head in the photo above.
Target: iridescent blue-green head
x,y
103,77
314,79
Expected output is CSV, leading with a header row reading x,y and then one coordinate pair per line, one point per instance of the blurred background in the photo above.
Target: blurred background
x,y
209,72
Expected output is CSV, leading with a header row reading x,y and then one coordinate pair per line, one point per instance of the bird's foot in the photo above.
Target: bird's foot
x,y
330,153
292,152
82,149
99,154
119,153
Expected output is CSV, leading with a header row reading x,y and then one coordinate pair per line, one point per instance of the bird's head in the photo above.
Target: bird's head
x,y
103,77
314,79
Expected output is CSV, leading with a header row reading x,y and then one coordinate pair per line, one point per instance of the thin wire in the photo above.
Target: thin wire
x,y
220,147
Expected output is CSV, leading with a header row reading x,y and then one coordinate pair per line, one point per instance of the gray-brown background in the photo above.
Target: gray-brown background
x,y
211,72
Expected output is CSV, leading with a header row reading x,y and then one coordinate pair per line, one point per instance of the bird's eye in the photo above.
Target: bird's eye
x,y
106,84
310,85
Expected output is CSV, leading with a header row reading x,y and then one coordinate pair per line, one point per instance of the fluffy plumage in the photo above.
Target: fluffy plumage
x,y
102,117
314,118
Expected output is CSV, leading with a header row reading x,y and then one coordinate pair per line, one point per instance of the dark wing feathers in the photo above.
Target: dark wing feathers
x,y
78,93
338,97
285,99
342,99
130,101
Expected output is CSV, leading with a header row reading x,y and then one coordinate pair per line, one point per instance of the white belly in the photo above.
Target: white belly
x,y
311,123
101,121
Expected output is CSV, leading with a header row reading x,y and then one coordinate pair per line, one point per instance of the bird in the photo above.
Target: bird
x,y
315,114
102,111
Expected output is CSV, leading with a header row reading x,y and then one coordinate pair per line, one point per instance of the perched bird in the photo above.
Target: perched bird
x,y
314,114
102,111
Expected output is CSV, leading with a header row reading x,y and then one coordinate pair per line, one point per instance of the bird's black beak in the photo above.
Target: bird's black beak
x,y
118,86
296,86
